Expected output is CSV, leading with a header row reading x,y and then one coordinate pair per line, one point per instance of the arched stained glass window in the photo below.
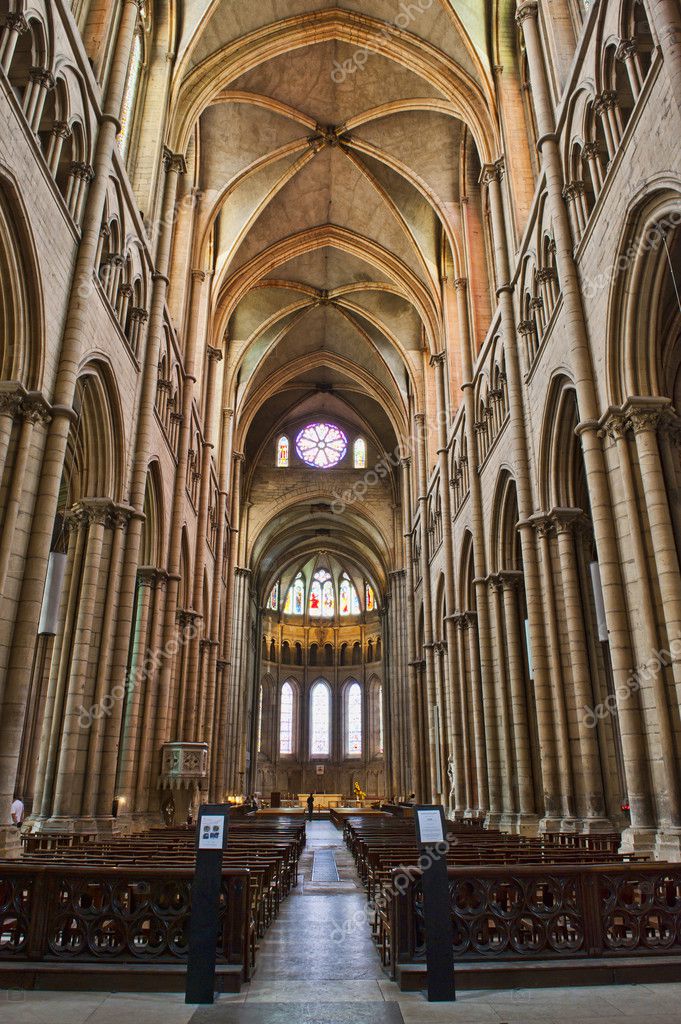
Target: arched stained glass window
x,y
130,94
349,600
316,600
370,598
286,720
282,452
295,599
273,600
353,746
321,445
322,598
360,453
320,720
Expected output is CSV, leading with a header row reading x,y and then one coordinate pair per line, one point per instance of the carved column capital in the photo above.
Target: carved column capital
x,y
16,22
61,130
626,49
568,520
174,162
85,172
646,414
527,10
42,77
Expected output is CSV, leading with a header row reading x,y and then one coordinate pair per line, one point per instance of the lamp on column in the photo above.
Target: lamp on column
x,y
49,612
528,647
597,588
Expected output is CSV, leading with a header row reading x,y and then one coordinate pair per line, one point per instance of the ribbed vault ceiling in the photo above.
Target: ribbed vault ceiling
x,y
331,199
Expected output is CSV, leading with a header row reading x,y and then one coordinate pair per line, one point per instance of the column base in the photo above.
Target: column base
x,y
104,826
475,815
668,843
552,824
523,824
596,826
10,842
493,820
640,841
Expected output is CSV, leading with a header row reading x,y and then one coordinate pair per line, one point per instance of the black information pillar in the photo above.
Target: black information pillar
x,y
432,839
211,840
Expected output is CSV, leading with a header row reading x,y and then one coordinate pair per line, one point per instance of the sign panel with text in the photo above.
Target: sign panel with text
x,y
431,835
211,840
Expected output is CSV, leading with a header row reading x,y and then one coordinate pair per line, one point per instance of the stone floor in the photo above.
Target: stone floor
x,y
318,965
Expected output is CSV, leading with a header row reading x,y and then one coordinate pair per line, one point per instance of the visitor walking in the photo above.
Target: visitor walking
x,y
310,806
17,811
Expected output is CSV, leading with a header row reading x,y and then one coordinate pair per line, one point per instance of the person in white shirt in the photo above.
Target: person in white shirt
x,y
17,811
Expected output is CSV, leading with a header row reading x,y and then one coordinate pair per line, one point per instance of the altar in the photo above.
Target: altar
x,y
323,801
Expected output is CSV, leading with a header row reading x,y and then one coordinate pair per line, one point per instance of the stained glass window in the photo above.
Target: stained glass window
x,y
316,600
370,598
282,452
320,720
295,599
286,720
360,453
130,94
322,599
349,600
273,601
321,445
354,721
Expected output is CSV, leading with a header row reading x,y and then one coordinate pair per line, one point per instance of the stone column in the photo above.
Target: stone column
x,y
464,797
422,479
120,519
452,733
666,21
42,82
150,752
199,278
227,719
14,27
492,798
544,530
174,167
511,581
626,54
413,703
667,785
70,774
567,522
582,368
193,701
59,133
32,411
135,687
509,809
481,773
217,675
644,419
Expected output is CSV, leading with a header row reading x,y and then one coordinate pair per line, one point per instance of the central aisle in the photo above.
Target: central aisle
x,y
318,963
